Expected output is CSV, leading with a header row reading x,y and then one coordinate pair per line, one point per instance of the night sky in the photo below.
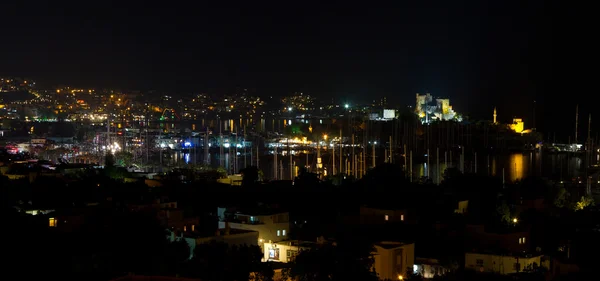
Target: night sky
x,y
480,55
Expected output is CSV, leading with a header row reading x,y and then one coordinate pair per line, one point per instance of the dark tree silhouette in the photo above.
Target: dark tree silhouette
x,y
109,160
250,176
134,243
348,260
306,179
385,176
216,261
177,253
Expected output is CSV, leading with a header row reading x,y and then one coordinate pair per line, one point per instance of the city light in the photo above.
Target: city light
x,y
113,147
346,105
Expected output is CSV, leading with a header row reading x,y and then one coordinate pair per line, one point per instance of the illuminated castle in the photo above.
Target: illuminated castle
x,y
429,111
517,125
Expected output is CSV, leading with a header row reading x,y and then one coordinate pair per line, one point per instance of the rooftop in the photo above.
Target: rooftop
x,y
304,244
500,252
390,244
232,231
260,211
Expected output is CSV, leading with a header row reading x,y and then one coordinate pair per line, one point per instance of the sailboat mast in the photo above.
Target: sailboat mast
x,y
576,122
341,151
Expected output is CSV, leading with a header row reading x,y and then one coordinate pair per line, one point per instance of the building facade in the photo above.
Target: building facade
x,y
393,260
271,227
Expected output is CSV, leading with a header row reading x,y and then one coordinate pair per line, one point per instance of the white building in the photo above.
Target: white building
x,y
393,259
285,251
503,264
272,226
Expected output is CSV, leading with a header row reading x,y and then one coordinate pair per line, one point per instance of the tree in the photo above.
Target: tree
x,y
109,160
124,158
411,276
177,253
123,242
116,173
585,202
306,179
381,176
503,212
263,273
222,171
347,260
216,261
560,197
250,176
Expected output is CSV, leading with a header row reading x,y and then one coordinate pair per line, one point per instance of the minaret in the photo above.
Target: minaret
x,y
495,115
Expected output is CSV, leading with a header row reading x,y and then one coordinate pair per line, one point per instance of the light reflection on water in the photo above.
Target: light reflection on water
x,y
516,166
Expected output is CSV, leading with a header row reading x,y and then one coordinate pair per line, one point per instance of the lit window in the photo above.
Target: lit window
x,y
387,218
193,227
402,217
52,222
283,232
278,232
523,240
184,228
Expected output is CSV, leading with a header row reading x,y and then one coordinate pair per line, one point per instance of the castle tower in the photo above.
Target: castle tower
x,y
495,115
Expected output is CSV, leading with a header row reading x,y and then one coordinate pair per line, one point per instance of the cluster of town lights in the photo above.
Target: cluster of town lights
x,y
113,147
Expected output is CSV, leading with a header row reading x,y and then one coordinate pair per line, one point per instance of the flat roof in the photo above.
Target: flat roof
x,y
232,231
505,253
260,211
390,244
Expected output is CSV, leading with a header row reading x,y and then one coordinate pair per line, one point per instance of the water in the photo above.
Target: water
x,y
514,166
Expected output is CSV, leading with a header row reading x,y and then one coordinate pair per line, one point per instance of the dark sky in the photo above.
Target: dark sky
x,y
478,54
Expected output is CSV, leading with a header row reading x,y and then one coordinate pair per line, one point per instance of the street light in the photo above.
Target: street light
x,y
515,220
346,106
325,136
